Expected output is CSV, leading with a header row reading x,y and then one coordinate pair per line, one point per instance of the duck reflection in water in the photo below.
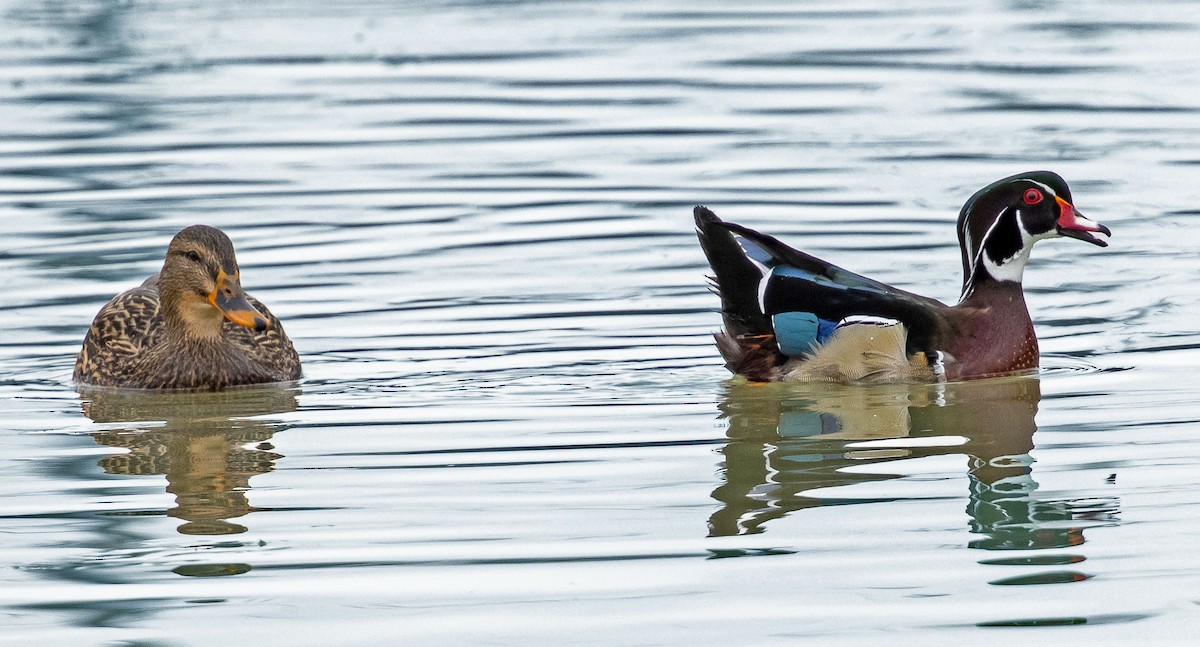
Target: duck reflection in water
x,y
786,441
208,445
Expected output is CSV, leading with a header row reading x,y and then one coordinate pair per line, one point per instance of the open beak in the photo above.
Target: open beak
x,y
230,299
1072,224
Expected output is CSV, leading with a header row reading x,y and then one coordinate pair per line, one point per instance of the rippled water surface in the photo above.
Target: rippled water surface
x,y
513,428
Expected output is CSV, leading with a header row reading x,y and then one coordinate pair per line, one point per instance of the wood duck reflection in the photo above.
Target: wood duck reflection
x,y
786,441
208,446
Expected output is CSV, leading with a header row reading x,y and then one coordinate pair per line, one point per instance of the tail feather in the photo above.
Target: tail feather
x,y
748,341
736,279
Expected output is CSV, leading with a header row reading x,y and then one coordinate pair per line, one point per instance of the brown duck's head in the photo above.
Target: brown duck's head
x,y
1001,222
200,283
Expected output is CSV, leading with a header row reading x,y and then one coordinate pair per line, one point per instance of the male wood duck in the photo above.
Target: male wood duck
x,y
791,316
189,327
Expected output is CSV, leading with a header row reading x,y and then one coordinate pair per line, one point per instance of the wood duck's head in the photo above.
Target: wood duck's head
x,y
200,284
1000,223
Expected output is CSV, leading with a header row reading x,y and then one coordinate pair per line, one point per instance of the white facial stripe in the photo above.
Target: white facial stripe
x,y
980,254
1013,267
969,243
1048,191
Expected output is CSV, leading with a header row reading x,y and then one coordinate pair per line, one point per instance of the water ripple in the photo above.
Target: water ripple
x,y
474,221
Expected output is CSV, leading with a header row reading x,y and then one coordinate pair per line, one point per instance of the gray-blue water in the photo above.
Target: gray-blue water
x,y
474,220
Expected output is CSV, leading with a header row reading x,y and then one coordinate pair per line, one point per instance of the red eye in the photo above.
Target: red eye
x,y
1033,196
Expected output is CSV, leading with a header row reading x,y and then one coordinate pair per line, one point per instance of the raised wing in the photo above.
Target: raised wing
x,y
801,283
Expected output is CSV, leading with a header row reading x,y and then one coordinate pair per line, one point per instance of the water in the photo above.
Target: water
x,y
474,220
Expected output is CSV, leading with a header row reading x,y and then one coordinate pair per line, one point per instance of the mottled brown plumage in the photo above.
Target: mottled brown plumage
x,y
188,327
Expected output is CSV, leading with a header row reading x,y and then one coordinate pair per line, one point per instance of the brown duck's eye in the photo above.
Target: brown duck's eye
x,y
1033,196
193,255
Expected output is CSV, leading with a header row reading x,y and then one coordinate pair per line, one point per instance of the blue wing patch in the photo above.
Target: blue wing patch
x,y
797,332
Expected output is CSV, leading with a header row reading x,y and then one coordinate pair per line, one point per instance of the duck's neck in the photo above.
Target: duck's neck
x,y
985,273
986,292
994,334
192,317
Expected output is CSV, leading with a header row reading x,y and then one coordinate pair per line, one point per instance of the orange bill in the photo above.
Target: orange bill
x,y
230,299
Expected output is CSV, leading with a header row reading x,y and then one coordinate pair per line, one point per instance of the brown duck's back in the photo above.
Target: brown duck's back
x,y
129,345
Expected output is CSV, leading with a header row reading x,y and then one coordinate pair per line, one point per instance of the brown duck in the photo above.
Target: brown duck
x,y
792,316
191,326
